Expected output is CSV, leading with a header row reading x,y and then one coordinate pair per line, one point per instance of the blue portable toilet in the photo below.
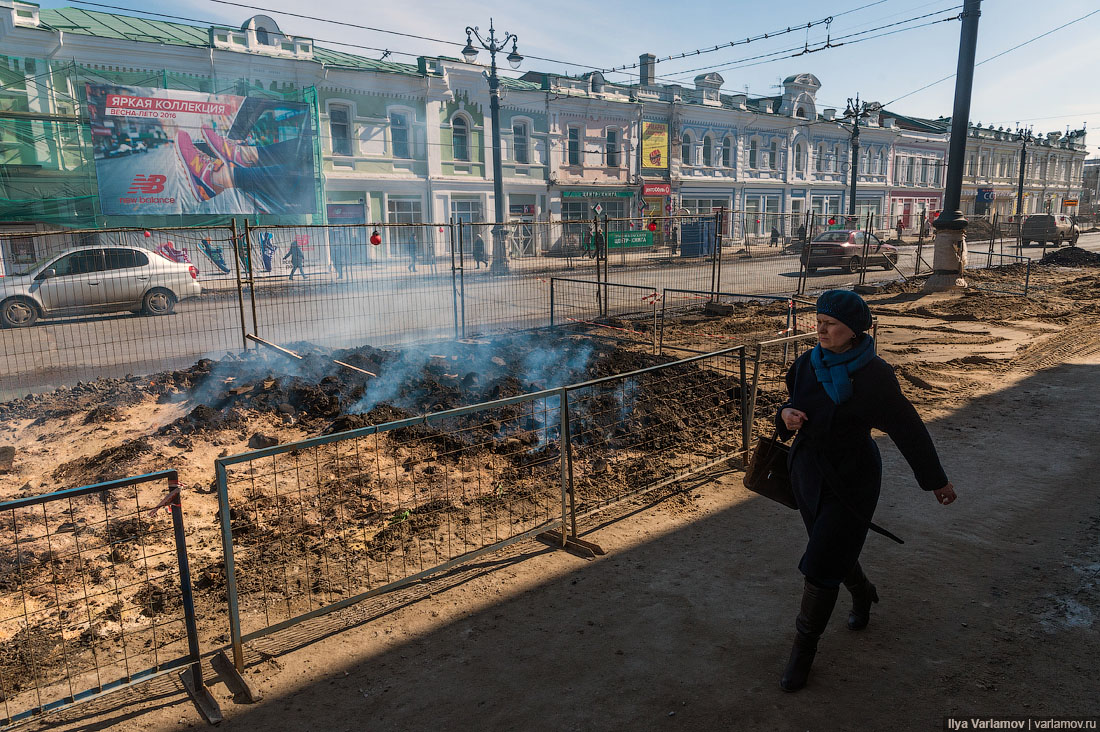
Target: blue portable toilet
x,y
697,238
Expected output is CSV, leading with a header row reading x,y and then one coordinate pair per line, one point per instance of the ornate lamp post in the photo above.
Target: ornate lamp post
x,y
492,45
1024,137
855,112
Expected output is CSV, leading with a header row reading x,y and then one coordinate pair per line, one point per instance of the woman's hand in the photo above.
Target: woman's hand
x,y
946,494
793,418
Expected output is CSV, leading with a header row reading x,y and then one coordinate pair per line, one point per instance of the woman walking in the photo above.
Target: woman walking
x,y
838,391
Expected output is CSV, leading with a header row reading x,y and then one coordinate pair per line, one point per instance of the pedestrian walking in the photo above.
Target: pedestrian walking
x,y
412,252
802,234
900,228
839,391
480,254
775,237
297,259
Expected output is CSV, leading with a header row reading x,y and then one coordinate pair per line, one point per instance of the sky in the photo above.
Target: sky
x,y
1050,84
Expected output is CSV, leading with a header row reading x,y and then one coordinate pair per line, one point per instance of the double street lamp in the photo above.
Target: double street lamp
x,y
492,45
856,112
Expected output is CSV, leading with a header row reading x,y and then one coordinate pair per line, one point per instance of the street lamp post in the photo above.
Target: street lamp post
x,y
949,258
492,45
855,112
1025,138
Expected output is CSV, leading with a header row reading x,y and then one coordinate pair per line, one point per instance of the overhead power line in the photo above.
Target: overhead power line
x,y
1002,53
761,37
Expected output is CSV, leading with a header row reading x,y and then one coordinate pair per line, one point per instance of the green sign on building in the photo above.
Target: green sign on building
x,y
597,194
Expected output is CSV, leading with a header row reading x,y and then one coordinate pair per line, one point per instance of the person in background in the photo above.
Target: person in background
x,y
297,259
802,234
839,391
900,228
412,252
775,237
480,255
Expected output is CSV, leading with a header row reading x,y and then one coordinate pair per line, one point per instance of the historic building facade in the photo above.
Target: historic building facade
x,y
410,142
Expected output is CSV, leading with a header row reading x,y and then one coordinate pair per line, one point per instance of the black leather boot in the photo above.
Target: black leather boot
x,y
817,606
863,594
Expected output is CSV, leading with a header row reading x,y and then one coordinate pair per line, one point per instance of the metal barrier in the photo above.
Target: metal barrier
x,y
1003,260
770,362
621,310
89,600
318,525
780,314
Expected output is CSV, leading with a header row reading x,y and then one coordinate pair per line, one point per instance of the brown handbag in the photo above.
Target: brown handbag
x,y
767,472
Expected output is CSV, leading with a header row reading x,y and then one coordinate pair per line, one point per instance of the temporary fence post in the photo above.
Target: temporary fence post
x,y
230,568
462,278
790,321
606,268
237,265
251,281
1027,276
992,236
551,302
664,311
192,676
567,498
454,274
866,246
746,406
654,322
599,274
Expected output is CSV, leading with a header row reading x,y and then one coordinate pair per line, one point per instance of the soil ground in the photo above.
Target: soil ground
x,y
686,622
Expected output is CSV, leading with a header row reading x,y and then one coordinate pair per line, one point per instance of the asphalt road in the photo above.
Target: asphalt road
x,y
387,305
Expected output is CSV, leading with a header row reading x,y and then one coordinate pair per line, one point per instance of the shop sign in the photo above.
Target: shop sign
x,y
656,189
346,211
654,145
986,195
597,194
522,209
625,239
1069,202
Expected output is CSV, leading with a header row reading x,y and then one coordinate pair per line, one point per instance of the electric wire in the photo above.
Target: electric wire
x,y
998,55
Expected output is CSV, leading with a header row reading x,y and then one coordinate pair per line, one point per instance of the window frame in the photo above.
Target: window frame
x,y
456,120
407,130
345,148
687,148
754,153
612,147
573,145
708,150
727,152
525,147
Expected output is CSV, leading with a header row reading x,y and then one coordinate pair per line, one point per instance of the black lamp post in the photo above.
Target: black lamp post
x,y
492,45
855,112
1025,138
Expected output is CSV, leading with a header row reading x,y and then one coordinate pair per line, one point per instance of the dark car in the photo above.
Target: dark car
x,y
844,248
1053,228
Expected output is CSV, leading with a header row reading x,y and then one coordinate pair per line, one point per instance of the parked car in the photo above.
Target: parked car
x,y
1053,228
844,248
96,280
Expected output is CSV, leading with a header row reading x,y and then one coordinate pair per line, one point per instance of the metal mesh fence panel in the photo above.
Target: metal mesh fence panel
x,y
110,303
626,312
768,389
317,525
94,593
635,432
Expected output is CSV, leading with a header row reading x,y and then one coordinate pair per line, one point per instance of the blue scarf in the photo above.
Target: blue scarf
x,y
834,370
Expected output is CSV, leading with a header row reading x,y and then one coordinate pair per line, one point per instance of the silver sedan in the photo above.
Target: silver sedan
x,y
96,280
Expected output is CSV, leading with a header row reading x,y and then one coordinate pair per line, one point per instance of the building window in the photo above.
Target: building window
x,y
837,157
754,152
865,161
573,146
819,159
339,129
685,150
403,211
773,155
910,164
801,112
708,150
520,141
612,148
727,153
399,135
800,158
460,138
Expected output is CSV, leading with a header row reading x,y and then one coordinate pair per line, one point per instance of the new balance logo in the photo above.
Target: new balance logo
x,y
148,184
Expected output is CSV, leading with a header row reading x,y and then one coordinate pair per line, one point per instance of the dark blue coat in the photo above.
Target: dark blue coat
x,y
836,470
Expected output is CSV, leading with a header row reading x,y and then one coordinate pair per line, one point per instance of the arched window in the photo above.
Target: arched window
x,y
819,159
460,138
754,152
838,153
881,163
800,112
685,150
800,158
612,148
865,161
727,153
708,150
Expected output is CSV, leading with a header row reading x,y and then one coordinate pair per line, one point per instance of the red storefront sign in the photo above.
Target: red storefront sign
x,y
656,189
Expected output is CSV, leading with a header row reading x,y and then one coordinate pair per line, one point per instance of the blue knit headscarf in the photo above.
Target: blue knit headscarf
x,y
834,370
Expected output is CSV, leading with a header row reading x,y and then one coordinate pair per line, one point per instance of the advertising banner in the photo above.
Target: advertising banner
x,y
166,151
654,145
656,189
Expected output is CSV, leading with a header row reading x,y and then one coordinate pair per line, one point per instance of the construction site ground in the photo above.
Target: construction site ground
x,y
988,609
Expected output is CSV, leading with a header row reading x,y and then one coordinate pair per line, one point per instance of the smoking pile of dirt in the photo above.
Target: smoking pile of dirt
x,y
1071,257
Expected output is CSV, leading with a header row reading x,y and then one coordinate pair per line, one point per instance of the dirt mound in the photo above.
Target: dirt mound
x,y
1070,257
